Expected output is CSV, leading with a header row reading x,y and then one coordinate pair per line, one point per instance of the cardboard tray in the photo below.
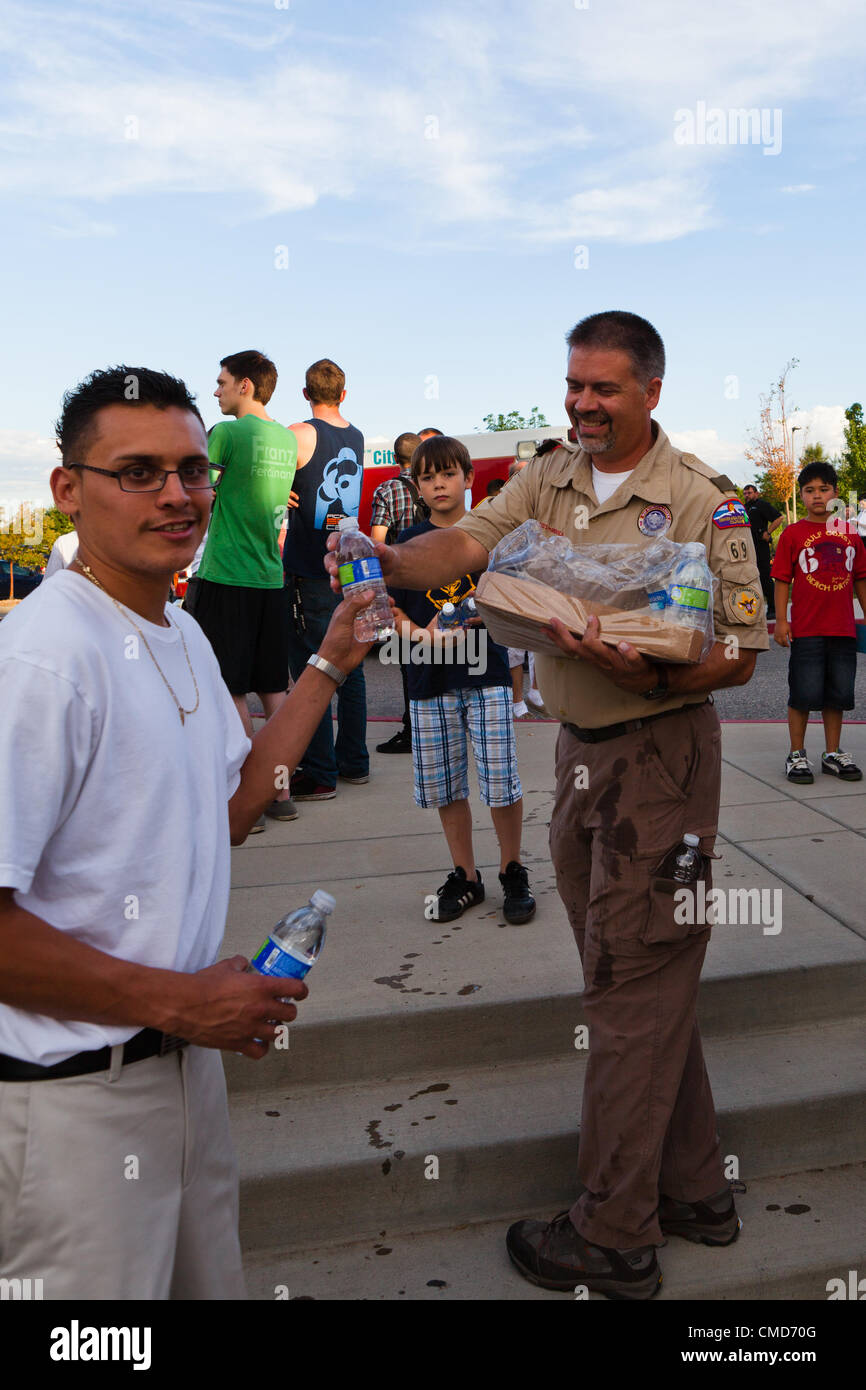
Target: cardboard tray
x,y
515,611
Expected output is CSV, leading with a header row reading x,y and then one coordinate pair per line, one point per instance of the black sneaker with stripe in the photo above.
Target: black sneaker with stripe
x,y
456,894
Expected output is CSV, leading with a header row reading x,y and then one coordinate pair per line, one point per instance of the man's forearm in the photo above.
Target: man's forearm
x,y
47,971
440,555
715,673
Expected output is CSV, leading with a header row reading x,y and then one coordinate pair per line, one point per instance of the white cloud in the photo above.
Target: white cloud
x,y
823,424
724,455
524,92
26,461
798,188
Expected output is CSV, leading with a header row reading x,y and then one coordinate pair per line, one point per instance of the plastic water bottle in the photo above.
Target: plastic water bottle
x,y
357,569
688,860
688,594
449,617
295,942
467,611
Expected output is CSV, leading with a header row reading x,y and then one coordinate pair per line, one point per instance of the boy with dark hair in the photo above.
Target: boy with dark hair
x,y
238,598
827,566
449,697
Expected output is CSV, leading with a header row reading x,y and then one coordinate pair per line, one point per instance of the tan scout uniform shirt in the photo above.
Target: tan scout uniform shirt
x,y
555,488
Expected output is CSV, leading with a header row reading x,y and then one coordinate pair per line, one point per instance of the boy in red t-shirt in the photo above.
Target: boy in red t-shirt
x,y
827,561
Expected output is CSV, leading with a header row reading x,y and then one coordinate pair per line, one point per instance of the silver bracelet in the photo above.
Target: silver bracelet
x,y
328,667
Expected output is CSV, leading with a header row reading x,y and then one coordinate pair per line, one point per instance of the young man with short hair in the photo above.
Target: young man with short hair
x,y
117,1174
238,597
827,564
327,488
448,700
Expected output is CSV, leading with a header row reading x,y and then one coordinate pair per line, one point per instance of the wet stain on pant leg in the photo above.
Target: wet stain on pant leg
x,y
604,966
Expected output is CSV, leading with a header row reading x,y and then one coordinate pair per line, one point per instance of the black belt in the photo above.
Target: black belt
x,y
148,1043
628,726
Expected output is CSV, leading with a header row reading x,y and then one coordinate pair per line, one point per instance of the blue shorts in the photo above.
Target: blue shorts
x,y
439,753
821,673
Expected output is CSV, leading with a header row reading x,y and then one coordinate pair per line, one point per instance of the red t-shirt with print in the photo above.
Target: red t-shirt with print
x,y
823,563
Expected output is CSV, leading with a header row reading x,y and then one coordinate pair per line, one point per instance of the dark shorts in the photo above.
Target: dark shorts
x,y
249,632
821,673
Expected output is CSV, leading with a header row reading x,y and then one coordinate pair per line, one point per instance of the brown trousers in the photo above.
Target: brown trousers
x,y
648,1123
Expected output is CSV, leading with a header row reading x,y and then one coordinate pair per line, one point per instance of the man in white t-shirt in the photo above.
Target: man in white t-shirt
x,y
63,552
125,775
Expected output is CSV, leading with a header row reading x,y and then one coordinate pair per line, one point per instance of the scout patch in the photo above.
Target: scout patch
x,y
730,513
654,520
743,605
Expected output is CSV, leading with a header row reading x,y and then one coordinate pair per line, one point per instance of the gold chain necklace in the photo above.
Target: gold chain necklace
x,y
85,569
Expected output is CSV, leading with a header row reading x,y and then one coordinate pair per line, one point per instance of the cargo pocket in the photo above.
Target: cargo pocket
x,y
675,910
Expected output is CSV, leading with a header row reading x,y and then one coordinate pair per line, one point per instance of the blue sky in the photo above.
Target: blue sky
x,y
430,172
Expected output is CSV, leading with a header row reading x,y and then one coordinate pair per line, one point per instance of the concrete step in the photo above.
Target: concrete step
x,y
798,1233
401,995
347,1162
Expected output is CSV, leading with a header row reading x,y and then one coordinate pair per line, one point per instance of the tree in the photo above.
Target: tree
x,y
771,447
515,421
27,536
854,453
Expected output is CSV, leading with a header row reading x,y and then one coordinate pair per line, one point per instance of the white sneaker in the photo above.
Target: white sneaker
x,y
534,698
520,711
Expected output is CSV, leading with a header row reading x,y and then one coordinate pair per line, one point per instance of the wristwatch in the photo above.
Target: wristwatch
x,y
660,689
328,667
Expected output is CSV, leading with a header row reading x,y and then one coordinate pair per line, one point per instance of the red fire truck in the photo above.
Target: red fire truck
x,y
493,453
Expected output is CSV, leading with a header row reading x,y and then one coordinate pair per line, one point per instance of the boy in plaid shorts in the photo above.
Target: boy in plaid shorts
x,y
458,684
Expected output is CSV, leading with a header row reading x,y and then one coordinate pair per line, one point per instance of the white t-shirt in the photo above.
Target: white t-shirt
x,y
114,823
63,552
606,484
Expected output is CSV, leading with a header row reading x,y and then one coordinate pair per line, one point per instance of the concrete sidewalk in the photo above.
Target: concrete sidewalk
x,y
379,855
459,1040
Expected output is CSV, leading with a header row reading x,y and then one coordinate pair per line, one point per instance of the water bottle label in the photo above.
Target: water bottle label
x,y
271,959
658,599
684,597
360,573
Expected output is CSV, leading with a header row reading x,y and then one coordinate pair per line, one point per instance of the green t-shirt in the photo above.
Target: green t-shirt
x,y
259,457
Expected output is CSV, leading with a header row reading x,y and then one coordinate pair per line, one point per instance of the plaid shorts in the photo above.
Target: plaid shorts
x,y
439,756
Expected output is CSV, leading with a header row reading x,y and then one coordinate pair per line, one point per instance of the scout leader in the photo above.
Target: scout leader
x,y
649,737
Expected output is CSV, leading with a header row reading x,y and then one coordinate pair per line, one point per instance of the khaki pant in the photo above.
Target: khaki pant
x,y
123,1184
648,1123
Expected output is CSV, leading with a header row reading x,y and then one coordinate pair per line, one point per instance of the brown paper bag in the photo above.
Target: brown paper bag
x,y
515,611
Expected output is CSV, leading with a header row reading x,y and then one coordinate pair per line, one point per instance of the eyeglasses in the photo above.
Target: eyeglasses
x,y
141,477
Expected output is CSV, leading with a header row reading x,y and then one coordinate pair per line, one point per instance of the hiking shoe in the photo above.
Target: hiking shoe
x,y
258,827
711,1222
455,895
841,765
400,743
519,904
356,781
554,1256
282,810
798,768
304,788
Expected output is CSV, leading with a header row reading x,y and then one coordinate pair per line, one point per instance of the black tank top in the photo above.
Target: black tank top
x,y
329,487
